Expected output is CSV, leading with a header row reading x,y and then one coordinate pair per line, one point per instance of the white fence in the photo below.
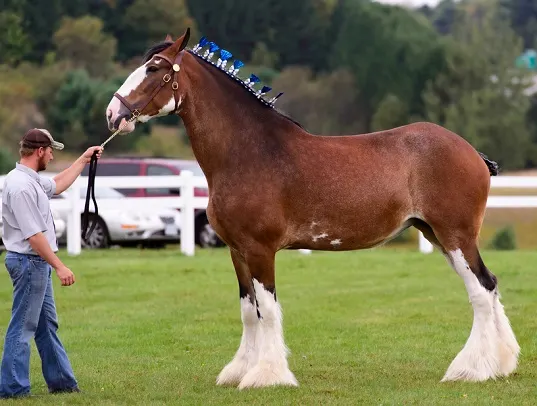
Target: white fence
x,y
188,203
500,182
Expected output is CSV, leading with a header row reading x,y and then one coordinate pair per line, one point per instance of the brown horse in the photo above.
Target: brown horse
x,y
274,186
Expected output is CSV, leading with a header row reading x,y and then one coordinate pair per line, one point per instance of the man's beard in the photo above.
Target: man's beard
x,y
42,164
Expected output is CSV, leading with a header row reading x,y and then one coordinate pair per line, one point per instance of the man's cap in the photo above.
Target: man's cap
x,y
39,137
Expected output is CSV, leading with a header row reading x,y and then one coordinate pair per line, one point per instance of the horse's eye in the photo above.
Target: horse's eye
x,y
152,69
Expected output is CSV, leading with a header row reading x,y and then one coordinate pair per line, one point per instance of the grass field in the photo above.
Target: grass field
x,y
376,327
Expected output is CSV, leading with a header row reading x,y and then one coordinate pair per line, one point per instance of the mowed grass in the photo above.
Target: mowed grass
x,y
377,327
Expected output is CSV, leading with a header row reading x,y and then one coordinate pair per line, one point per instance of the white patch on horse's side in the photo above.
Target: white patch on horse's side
x,y
319,236
336,242
272,368
481,357
247,355
313,224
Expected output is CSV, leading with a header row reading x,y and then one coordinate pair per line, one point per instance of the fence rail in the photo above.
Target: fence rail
x,y
187,203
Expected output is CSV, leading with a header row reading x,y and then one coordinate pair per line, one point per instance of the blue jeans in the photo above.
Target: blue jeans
x,y
33,315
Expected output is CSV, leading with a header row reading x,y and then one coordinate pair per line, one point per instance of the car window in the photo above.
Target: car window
x,y
159,170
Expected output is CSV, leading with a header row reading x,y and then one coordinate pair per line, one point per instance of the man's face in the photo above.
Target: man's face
x,y
45,155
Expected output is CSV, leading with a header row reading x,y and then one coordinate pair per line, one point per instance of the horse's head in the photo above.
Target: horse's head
x,y
153,89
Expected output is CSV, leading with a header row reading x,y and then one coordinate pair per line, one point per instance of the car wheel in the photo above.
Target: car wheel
x,y
205,236
99,236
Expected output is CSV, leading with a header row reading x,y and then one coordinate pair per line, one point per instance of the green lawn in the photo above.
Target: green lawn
x,y
376,327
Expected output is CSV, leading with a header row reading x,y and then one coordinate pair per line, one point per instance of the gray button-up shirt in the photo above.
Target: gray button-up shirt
x,y
26,209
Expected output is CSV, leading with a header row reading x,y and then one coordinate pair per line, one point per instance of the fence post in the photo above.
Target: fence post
x,y
73,220
187,214
425,246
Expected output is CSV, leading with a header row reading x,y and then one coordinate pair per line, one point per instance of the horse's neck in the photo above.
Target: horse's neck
x,y
223,124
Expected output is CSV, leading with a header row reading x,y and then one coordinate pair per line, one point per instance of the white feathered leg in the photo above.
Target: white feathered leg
x,y
272,367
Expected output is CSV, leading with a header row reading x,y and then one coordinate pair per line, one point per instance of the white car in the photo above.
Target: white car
x,y
145,226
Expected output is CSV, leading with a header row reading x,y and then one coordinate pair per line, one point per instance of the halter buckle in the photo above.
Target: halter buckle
x,y
135,114
175,85
167,77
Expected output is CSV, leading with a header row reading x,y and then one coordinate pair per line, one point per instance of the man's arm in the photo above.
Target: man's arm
x,y
41,246
66,178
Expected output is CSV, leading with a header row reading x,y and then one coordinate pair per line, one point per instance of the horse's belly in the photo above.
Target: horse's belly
x,y
334,235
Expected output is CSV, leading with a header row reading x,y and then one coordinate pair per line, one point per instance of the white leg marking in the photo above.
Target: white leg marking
x,y
509,348
247,355
335,242
480,359
272,367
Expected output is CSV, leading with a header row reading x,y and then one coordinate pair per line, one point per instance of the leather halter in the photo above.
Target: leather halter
x,y
136,110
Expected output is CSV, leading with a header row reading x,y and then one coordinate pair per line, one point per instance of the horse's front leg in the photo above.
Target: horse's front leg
x,y
262,356
271,367
247,355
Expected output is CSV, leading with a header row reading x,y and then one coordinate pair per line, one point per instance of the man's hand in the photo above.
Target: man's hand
x,y
65,275
86,156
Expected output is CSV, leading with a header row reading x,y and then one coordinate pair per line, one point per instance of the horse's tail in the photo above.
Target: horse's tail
x,y
494,169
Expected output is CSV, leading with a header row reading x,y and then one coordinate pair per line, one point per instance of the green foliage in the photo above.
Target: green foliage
x,y
294,30
504,239
480,95
411,53
147,22
81,41
324,103
7,161
13,40
392,112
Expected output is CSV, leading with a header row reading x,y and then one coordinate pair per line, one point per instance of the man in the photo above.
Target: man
x,y
30,241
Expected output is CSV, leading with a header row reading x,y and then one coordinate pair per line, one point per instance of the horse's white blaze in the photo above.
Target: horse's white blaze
x,y
272,367
248,353
491,348
131,83
335,242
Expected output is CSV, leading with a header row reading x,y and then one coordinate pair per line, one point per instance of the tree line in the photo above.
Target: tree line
x,y
346,66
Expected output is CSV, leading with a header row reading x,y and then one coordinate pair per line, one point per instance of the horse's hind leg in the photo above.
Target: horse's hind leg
x,y
491,350
247,355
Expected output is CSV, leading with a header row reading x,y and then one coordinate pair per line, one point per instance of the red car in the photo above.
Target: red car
x,y
204,234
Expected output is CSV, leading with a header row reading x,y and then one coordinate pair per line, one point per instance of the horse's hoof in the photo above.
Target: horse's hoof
x,y
232,373
268,375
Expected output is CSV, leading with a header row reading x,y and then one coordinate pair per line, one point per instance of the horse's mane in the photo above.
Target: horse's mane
x,y
161,46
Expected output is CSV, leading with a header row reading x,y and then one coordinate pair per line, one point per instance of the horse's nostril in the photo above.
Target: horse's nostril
x,y
109,114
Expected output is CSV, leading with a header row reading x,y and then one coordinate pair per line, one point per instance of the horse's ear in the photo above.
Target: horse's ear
x,y
168,38
186,37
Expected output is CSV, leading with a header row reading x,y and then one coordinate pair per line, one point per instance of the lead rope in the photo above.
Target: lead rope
x,y
91,182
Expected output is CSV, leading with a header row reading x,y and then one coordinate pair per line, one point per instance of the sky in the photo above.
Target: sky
x,y
410,2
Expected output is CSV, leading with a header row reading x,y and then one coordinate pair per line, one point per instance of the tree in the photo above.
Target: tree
x,y
324,104
389,50
295,30
81,41
481,95
149,21
13,40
